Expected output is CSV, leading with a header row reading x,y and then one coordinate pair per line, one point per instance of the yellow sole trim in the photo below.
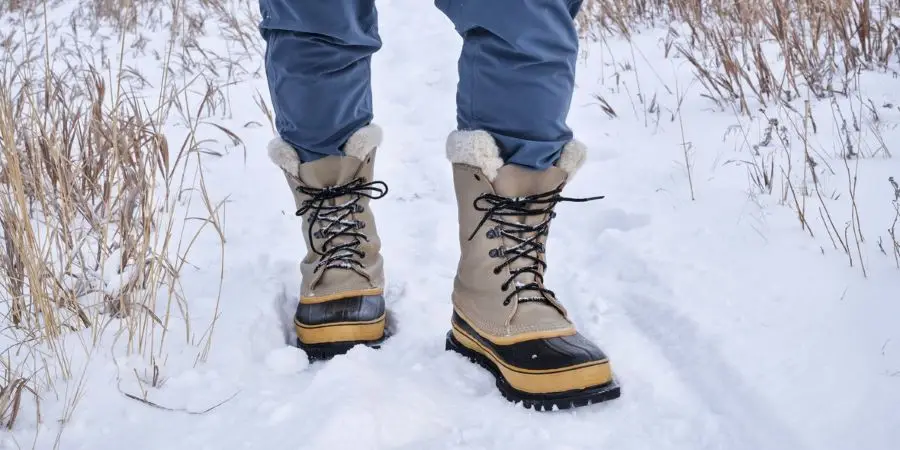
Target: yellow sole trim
x,y
341,331
341,295
508,340
581,376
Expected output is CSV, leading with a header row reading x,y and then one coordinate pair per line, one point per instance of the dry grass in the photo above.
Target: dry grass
x,y
99,207
13,390
893,231
772,60
763,50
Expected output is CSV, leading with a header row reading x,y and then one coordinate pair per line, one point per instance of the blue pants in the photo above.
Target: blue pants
x,y
516,72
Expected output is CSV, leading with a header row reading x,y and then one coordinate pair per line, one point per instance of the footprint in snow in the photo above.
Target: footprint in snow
x,y
620,220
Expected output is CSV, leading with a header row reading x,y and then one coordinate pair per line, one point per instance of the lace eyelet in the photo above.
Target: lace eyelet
x,y
359,208
363,255
496,271
504,288
477,177
360,224
491,234
494,253
505,302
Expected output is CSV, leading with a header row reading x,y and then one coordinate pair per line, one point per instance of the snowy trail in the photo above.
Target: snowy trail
x,y
411,393
715,346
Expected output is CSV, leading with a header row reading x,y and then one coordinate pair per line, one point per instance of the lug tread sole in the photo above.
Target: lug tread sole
x,y
328,350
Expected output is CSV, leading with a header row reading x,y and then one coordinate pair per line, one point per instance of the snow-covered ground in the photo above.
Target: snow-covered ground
x,y
728,325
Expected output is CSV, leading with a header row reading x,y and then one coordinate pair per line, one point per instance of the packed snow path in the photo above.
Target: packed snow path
x,y
726,326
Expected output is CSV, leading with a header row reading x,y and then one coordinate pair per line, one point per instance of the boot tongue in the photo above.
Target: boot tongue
x,y
329,171
517,181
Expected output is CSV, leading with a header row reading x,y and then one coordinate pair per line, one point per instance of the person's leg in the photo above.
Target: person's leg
x,y
512,155
318,58
517,74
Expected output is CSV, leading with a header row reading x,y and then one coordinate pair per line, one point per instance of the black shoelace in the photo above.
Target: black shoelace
x,y
525,237
335,222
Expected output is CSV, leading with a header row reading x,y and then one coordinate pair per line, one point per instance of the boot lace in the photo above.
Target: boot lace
x,y
526,238
335,222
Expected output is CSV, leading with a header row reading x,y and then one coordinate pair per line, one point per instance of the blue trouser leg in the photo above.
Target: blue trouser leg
x,y
517,73
318,57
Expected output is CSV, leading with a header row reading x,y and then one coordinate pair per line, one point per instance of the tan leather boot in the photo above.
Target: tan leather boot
x,y
341,302
504,317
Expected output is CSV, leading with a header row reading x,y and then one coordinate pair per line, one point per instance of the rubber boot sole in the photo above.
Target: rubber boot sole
x,y
539,402
328,350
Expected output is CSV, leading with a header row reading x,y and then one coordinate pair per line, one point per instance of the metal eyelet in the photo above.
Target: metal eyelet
x,y
360,224
491,234
359,208
494,253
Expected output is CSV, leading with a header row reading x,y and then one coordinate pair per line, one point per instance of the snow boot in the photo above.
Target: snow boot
x,y
341,301
504,318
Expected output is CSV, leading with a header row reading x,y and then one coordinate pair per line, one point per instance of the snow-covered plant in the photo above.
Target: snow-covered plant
x,y
99,206
738,48
893,231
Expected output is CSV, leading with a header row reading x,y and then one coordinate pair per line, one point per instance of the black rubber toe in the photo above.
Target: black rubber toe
x,y
540,354
364,308
550,357
341,312
540,402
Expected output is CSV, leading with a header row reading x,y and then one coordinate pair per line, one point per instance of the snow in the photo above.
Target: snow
x,y
288,360
727,324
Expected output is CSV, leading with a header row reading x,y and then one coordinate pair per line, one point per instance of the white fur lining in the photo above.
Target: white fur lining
x,y
572,157
284,156
479,149
362,142
475,148
359,145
